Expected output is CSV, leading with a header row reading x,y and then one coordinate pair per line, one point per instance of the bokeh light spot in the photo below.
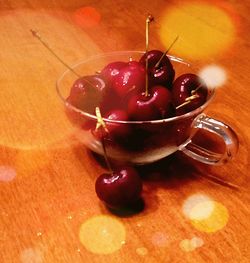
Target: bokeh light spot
x,y
142,251
205,214
102,234
87,17
214,76
216,221
7,173
159,239
194,200
31,255
186,245
197,242
39,234
201,210
204,30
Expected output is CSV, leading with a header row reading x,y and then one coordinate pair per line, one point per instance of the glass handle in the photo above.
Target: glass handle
x,y
218,128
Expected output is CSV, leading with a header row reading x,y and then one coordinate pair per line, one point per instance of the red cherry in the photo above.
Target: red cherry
x,y
117,129
153,57
87,93
156,105
134,63
111,70
111,101
141,108
130,79
163,100
120,189
184,87
164,73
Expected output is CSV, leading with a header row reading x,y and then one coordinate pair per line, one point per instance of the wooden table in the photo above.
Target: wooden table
x,y
49,209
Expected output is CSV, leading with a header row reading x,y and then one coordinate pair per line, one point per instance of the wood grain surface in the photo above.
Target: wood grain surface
x,y
49,211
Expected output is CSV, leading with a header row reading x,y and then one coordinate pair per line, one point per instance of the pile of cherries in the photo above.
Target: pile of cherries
x,y
119,90
122,92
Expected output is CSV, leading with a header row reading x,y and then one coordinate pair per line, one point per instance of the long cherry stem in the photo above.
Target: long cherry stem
x,y
221,182
38,36
148,21
106,155
165,53
102,125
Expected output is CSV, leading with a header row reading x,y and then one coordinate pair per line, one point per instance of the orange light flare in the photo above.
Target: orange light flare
x,y
205,29
87,17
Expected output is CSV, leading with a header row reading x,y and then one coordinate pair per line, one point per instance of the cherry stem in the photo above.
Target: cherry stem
x,y
195,90
148,21
106,155
102,125
165,53
188,100
219,181
38,36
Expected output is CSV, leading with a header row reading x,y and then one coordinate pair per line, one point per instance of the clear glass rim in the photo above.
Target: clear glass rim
x,y
109,54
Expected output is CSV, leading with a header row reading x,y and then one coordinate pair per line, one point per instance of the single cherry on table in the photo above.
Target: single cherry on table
x,y
119,189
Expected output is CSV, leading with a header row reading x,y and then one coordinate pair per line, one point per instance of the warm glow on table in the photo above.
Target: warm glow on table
x,y
204,30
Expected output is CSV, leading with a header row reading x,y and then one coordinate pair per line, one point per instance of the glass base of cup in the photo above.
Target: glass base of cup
x,y
141,157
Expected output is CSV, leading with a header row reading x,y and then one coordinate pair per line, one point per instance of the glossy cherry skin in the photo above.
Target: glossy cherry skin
x,y
117,130
164,73
131,79
111,70
142,108
120,189
87,93
182,89
114,131
156,105
153,57
163,101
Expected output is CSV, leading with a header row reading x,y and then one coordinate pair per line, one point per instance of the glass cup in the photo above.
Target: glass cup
x,y
146,141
